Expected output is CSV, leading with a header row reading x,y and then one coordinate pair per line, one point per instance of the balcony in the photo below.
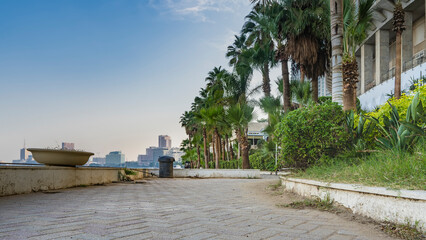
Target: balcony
x,y
378,95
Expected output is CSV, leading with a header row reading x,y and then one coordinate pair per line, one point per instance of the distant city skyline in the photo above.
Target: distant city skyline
x,y
107,75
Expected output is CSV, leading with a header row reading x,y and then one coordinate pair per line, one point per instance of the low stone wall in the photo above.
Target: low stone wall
x,y
398,206
26,179
214,173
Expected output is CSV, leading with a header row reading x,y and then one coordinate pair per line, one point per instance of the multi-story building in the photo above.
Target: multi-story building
x,y
150,159
376,56
23,154
98,160
176,153
115,159
164,141
67,146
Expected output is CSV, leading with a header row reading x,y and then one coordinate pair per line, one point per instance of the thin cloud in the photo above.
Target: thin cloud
x,y
196,9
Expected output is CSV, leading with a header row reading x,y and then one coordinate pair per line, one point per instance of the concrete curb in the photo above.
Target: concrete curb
x,y
398,206
214,173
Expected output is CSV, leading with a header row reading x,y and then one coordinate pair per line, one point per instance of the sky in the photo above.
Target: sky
x,y
107,75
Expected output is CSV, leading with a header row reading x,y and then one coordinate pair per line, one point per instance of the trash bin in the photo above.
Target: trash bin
x,y
166,166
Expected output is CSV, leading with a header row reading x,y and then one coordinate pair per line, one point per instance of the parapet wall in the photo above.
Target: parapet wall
x,y
26,179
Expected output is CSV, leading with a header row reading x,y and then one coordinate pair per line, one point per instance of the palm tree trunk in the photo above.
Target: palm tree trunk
x,y
315,88
350,78
266,81
206,155
217,148
302,74
336,8
398,66
286,84
227,147
223,149
213,146
199,156
232,151
219,144
348,99
244,149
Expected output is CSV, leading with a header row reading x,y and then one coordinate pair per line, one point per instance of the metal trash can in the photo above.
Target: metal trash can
x,y
166,166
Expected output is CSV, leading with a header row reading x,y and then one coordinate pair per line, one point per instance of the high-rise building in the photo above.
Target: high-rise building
x,y
23,154
115,159
67,146
164,141
150,159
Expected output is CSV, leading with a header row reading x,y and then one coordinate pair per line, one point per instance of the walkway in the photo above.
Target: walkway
x,y
168,209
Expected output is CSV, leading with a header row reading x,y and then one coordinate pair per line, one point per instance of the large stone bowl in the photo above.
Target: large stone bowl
x,y
60,157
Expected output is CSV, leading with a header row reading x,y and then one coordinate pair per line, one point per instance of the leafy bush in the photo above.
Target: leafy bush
x,y
306,134
324,99
259,160
401,104
402,135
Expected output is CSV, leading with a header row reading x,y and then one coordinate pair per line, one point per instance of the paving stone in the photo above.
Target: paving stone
x,y
167,209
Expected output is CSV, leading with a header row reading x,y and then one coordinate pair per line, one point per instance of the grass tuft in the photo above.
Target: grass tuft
x,y
385,169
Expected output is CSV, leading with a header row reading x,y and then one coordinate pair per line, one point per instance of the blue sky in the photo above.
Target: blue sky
x,y
106,75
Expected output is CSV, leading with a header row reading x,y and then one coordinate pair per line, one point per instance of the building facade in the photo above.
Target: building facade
x,y
24,154
150,159
115,159
376,56
164,141
67,146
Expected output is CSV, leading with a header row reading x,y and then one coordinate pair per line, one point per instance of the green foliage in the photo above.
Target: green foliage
x,y
386,169
324,99
402,135
307,134
259,160
129,172
360,132
301,92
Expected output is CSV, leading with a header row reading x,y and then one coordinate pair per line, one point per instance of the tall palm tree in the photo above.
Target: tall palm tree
x,y
336,27
258,30
240,115
357,20
279,15
398,27
309,34
236,49
212,117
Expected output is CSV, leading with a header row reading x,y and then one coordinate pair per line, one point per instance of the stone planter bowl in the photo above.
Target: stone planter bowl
x,y
60,157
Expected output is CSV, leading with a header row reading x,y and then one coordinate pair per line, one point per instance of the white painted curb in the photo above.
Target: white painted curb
x,y
398,206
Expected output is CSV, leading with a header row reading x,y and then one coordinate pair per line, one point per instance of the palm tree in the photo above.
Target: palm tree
x,y
212,116
336,27
357,20
278,14
239,116
308,41
258,29
301,92
236,49
398,27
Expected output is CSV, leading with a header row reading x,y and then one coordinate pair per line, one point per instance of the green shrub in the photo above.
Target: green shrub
x,y
259,160
306,134
324,99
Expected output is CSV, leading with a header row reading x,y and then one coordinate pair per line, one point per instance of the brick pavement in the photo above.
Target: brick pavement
x,y
167,209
